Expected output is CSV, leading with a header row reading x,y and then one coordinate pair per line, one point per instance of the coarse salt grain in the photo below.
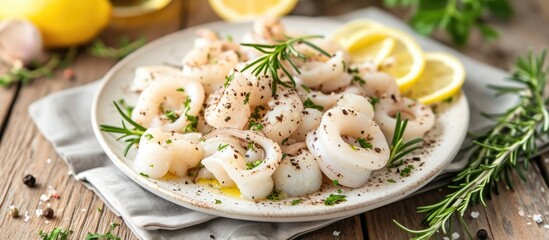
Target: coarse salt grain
x,y
83,210
528,223
48,161
546,226
521,212
455,235
39,212
474,214
44,198
537,218
51,192
27,216
445,238
336,233
47,221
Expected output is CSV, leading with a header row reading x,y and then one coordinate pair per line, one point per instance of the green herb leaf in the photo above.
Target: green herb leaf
x,y
104,236
254,164
99,49
398,147
334,199
364,143
57,233
296,202
271,61
131,136
310,104
222,146
144,175
255,126
217,201
247,98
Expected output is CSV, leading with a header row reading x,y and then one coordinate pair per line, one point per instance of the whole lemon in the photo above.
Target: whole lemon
x,y
62,22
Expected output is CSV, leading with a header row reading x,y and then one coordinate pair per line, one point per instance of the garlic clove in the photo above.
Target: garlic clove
x,y
20,41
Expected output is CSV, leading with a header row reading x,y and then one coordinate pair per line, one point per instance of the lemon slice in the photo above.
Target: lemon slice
x,y
405,62
443,77
342,34
242,10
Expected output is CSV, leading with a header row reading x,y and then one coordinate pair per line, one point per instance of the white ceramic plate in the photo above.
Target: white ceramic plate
x,y
444,142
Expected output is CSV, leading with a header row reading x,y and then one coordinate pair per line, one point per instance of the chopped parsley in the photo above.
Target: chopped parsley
x,y
334,199
228,80
363,143
247,99
391,180
374,100
284,156
352,70
310,104
254,164
171,115
284,141
255,126
57,233
180,89
144,175
336,182
168,141
229,38
250,145
274,196
222,146
353,147
122,103
296,202
217,201
358,80
405,172
104,236
191,127
149,136
151,165
100,210
255,115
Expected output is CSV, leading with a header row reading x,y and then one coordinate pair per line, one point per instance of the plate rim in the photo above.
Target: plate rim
x,y
153,188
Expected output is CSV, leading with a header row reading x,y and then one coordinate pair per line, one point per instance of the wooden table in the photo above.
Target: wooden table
x,y
23,150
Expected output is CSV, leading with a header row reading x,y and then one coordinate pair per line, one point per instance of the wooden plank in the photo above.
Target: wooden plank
x,y
25,151
349,228
507,216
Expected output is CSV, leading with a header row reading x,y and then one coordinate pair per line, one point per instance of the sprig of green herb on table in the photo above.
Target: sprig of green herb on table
x,y
456,17
274,55
310,104
496,153
99,49
104,236
57,233
399,148
26,74
130,135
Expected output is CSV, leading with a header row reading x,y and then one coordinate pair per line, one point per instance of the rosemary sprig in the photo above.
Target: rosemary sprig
x,y
131,136
399,148
99,49
274,55
495,153
27,74
104,236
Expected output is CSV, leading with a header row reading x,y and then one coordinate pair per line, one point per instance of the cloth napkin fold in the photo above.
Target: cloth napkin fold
x,y
64,119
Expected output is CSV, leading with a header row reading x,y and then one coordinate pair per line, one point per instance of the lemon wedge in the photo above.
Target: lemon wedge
x,y
442,78
242,10
405,62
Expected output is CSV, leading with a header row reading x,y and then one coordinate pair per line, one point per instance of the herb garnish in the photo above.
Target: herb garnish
x,y
456,17
255,126
180,90
495,153
57,233
104,236
34,71
144,174
99,49
296,201
364,143
220,147
310,104
254,164
373,101
217,201
228,80
334,199
131,136
391,180
247,98
171,115
193,120
398,148
271,61
168,141
275,195
405,172
358,80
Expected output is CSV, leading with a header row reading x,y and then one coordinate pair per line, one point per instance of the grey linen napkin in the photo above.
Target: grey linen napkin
x,y
64,119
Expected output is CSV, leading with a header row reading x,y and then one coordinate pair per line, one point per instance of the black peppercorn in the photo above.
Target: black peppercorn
x,y
29,180
482,234
47,213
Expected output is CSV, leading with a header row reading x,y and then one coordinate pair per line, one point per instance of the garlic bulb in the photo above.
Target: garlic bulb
x,y
20,41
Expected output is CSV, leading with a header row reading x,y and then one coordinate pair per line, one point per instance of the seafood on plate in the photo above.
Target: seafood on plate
x,y
262,122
